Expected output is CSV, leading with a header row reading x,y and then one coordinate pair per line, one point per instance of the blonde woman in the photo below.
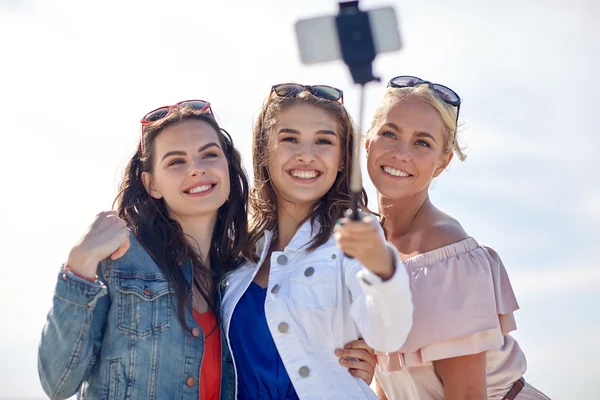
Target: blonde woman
x,y
459,346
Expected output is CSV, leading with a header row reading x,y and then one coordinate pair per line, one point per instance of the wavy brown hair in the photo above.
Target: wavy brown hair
x,y
263,196
162,236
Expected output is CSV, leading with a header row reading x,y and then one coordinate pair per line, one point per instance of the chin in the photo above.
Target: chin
x,y
390,193
300,199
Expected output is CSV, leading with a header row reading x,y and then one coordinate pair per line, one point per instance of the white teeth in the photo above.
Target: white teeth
x,y
304,174
395,172
199,189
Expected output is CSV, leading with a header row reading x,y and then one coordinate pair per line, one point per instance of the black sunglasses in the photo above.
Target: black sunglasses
x,y
448,95
294,89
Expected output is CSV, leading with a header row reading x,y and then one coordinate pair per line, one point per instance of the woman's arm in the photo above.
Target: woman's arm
x,y
72,335
378,282
464,377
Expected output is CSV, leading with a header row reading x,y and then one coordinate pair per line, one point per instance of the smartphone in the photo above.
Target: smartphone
x,y
318,40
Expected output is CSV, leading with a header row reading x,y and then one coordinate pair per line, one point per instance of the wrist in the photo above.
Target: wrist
x,y
81,266
66,268
384,266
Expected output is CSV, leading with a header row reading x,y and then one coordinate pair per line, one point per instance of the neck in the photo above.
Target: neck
x,y
400,213
289,217
198,232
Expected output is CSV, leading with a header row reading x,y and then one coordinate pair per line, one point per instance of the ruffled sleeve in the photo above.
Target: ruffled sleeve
x,y
463,304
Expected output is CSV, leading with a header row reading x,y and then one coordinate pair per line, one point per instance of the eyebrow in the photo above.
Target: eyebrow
x,y
295,132
393,126
427,135
183,153
419,134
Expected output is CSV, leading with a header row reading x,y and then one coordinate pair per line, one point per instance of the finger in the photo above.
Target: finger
x,y
354,243
101,218
358,344
364,243
105,214
107,220
122,249
360,354
355,364
355,344
361,214
357,228
113,217
369,219
365,376
347,250
341,222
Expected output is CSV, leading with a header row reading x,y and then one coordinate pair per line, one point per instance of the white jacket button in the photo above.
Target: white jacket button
x,y
283,327
308,272
304,371
275,289
282,259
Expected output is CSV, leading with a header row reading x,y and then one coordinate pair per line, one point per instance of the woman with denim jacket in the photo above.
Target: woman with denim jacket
x,y
135,306
134,313
300,291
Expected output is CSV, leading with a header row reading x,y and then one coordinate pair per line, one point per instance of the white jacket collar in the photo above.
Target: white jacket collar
x,y
300,241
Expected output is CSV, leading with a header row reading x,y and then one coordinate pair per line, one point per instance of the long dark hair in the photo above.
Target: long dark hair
x,y
262,202
163,238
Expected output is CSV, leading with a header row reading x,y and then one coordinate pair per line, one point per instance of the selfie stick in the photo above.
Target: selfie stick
x,y
358,53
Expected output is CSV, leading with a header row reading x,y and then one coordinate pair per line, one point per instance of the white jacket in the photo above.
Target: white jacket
x,y
317,302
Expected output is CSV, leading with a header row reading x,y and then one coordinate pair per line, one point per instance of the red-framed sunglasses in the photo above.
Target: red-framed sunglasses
x,y
164,111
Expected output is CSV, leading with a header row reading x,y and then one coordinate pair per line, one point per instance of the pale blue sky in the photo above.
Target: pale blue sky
x,y
76,76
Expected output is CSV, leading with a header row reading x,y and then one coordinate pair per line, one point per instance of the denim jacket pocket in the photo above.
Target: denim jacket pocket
x,y
143,302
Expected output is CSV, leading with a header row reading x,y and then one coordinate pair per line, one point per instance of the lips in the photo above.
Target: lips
x,y
200,188
395,172
304,173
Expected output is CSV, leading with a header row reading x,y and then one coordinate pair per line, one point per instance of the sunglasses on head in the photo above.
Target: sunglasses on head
x,y
294,89
448,95
164,111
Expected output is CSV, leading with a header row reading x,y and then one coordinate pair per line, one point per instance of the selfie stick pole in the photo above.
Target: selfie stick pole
x,y
358,53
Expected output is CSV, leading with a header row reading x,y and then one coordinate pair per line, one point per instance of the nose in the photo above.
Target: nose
x,y
197,168
401,152
306,153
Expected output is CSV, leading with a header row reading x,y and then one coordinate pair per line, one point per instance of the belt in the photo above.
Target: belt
x,y
515,390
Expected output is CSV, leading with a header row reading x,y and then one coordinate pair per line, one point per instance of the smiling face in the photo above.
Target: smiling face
x,y
406,149
304,154
190,171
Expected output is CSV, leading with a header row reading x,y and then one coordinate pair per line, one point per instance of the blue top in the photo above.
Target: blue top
x,y
260,371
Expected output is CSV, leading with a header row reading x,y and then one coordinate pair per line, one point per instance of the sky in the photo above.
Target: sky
x,y
76,76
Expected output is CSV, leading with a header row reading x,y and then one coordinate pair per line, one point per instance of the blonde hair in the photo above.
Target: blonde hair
x,y
447,113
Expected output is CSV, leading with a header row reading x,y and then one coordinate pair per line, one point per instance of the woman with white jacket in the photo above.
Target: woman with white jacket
x,y
313,280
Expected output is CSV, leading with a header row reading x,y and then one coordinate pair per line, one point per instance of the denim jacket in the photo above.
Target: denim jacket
x,y
121,338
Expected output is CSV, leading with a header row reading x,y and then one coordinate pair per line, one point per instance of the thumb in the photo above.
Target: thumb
x,y
121,250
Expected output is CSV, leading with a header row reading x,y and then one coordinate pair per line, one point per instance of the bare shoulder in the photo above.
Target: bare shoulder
x,y
441,230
